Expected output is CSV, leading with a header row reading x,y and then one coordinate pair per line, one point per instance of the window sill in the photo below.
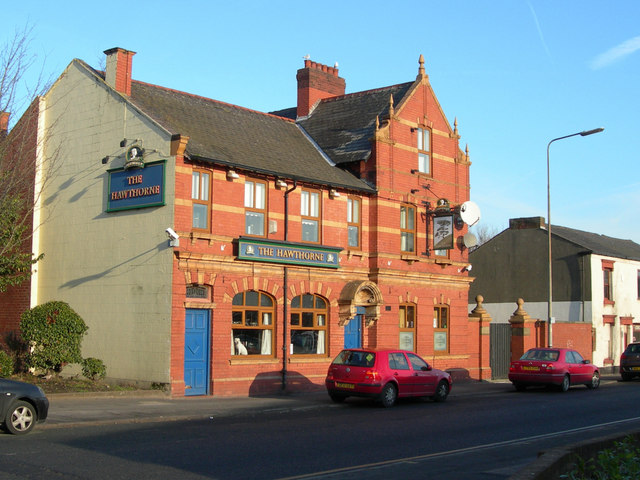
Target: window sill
x,y
443,261
609,302
252,360
319,358
410,258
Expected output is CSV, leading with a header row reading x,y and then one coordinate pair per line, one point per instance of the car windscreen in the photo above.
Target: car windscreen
x,y
355,358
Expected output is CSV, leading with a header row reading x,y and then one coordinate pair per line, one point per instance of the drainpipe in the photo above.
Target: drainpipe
x,y
285,343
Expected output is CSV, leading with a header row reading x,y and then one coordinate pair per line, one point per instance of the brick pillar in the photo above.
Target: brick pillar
x,y
479,332
526,332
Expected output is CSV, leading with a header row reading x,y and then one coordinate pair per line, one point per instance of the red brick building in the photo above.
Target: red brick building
x,y
293,233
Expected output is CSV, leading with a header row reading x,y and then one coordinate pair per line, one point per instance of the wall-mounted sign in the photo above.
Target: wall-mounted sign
x,y
134,157
443,232
139,188
258,250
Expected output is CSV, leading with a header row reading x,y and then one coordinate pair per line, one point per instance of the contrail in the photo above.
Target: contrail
x,y
616,53
535,19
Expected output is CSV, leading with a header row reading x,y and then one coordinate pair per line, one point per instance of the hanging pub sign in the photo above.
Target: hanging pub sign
x,y
273,251
443,232
137,188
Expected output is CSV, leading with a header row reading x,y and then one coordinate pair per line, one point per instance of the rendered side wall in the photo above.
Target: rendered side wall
x,y
115,268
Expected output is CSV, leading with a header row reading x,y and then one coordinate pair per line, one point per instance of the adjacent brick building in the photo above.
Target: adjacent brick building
x,y
340,215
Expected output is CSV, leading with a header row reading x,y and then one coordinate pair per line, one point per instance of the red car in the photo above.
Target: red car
x,y
561,367
385,375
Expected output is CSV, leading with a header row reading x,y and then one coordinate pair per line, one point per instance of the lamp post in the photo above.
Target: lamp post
x,y
550,302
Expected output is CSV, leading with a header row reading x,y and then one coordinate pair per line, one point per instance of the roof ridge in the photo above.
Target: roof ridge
x,y
365,92
212,100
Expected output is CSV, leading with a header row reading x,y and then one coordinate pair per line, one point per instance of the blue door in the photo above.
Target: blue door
x,y
196,352
353,330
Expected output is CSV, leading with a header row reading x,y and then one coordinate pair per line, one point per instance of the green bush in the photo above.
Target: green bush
x,y
6,364
620,462
93,368
53,332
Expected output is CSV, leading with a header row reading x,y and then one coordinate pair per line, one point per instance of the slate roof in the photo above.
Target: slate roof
x,y
245,139
599,244
343,126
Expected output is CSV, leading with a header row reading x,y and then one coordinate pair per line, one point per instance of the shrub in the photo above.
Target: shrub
x,y
6,364
93,368
620,462
53,332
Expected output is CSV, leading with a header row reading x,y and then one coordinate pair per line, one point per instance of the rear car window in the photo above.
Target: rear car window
x,y
633,348
545,355
397,361
355,358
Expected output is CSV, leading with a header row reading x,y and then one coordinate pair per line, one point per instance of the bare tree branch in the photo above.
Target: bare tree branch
x,y
20,160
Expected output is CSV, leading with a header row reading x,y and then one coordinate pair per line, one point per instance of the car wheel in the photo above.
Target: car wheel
x,y
442,392
520,387
564,386
595,381
626,377
337,397
20,418
389,395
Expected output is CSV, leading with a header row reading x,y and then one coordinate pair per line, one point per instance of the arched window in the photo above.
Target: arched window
x,y
407,313
252,324
309,324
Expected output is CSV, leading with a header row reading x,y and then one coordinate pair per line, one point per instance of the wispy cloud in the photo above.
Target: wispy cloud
x,y
535,19
616,53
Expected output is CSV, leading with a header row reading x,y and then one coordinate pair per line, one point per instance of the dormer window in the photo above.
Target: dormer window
x,y
424,150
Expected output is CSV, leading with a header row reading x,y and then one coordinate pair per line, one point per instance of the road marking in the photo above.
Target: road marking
x,y
418,458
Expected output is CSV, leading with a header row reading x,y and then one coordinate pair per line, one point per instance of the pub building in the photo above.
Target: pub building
x,y
219,250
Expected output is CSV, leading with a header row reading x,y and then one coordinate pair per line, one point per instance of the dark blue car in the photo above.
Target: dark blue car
x,y
22,405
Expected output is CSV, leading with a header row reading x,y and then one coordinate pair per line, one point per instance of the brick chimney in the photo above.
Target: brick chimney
x,y
4,124
118,71
526,223
315,82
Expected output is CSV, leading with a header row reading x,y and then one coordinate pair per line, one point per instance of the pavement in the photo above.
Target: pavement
x,y
140,406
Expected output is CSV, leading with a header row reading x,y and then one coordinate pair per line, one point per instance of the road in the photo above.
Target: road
x,y
468,437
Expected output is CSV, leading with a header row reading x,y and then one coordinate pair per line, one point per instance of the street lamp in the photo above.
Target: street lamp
x,y
550,303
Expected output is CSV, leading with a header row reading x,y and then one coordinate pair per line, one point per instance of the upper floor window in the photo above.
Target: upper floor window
x,y
407,317
309,324
407,228
353,222
255,204
200,183
252,323
441,329
607,280
424,150
310,213
608,294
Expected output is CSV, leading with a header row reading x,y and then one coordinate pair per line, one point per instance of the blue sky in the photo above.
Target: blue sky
x,y
515,74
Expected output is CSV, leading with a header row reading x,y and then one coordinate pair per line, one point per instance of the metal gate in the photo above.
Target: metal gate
x,y
500,351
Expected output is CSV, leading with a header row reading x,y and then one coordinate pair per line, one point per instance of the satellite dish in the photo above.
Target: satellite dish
x,y
470,213
469,240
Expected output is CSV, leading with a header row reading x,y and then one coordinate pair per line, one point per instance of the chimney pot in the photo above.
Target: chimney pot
x,y
316,82
4,123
